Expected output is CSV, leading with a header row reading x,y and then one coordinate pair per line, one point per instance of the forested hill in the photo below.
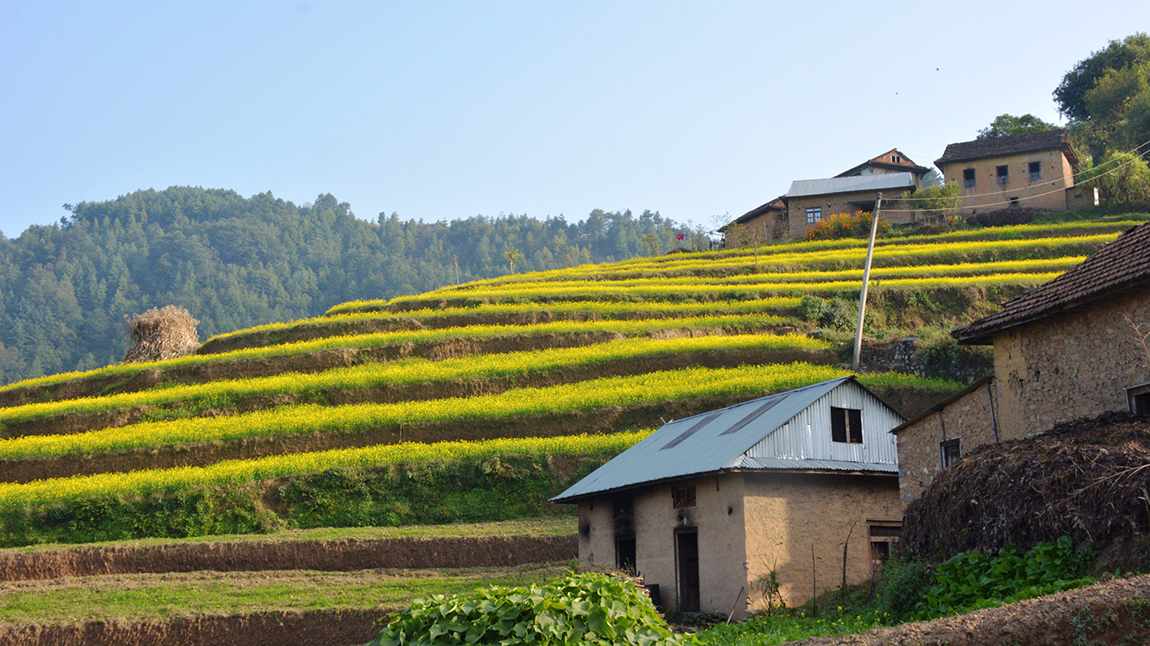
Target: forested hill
x,y
235,262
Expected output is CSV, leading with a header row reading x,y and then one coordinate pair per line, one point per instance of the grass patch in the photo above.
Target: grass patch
x,y
142,597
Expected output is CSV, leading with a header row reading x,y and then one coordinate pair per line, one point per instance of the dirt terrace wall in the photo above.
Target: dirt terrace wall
x,y
329,556
968,420
1072,365
329,627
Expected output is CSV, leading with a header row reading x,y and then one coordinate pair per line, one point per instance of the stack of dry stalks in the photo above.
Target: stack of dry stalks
x,y
1086,479
162,333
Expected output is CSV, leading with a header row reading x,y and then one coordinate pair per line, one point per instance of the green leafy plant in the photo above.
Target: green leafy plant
x,y
975,580
584,608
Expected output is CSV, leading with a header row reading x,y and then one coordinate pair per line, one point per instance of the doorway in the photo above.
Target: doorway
x,y
687,568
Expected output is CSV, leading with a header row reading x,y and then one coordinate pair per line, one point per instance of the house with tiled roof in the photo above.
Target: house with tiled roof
x,y
1033,170
707,505
1069,349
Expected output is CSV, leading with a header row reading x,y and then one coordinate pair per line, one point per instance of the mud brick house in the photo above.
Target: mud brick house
x,y
707,505
1034,170
814,200
1069,349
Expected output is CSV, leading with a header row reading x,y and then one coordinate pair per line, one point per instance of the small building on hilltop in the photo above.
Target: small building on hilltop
x,y
708,506
1035,170
1076,347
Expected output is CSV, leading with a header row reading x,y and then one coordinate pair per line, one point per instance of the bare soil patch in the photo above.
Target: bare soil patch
x,y
1105,614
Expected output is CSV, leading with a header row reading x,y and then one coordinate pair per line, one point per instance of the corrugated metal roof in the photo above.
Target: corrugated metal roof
x,y
802,187
733,437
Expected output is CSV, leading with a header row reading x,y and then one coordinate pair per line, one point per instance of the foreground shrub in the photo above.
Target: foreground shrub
x,y
905,579
580,609
975,580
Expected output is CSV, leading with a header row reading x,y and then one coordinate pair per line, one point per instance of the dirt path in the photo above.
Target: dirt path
x,y
1105,614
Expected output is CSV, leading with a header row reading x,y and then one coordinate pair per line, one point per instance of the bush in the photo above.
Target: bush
x,y
974,580
839,314
811,308
905,579
845,225
580,609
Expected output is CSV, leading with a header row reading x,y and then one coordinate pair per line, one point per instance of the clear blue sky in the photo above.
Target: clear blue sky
x,y
443,110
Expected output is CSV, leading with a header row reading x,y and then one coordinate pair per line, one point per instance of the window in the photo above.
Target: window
x,y
684,497
1035,169
1002,174
846,425
884,537
896,159
625,553
951,451
968,178
1014,203
1138,399
814,215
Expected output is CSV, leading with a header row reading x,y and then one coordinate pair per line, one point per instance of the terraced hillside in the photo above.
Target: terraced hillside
x,y
476,402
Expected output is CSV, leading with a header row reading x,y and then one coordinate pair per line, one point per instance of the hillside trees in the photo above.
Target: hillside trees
x,y
234,262
1106,97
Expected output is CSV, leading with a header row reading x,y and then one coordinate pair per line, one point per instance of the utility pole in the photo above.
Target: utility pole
x,y
866,279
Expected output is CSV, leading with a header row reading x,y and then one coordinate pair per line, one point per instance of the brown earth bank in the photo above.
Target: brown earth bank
x,y
1105,614
338,555
319,361
327,627
82,421
611,419
322,329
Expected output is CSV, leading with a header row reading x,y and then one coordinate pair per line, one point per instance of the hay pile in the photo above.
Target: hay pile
x,y
1086,479
162,333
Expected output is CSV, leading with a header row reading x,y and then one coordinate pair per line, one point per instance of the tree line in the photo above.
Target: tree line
x,y
234,262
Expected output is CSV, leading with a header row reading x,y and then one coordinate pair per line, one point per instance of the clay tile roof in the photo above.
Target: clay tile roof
x,y
1003,146
1120,265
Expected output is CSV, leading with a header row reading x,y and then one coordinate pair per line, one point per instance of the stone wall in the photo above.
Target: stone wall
x,y
1071,365
970,419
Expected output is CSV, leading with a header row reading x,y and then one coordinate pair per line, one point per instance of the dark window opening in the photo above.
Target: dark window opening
x,y
951,451
1035,169
846,425
684,497
624,507
1138,399
625,553
1014,203
1002,174
968,178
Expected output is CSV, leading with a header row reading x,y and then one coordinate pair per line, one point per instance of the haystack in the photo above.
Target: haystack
x,y
1086,479
162,333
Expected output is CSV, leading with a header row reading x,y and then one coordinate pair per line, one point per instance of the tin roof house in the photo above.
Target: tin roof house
x,y
707,506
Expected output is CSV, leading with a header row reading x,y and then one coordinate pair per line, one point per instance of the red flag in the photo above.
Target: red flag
x,y
680,236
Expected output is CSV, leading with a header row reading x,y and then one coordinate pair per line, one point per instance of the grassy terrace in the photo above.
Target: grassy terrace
x,y
511,365
141,597
571,310
558,526
310,418
365,341
237,473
